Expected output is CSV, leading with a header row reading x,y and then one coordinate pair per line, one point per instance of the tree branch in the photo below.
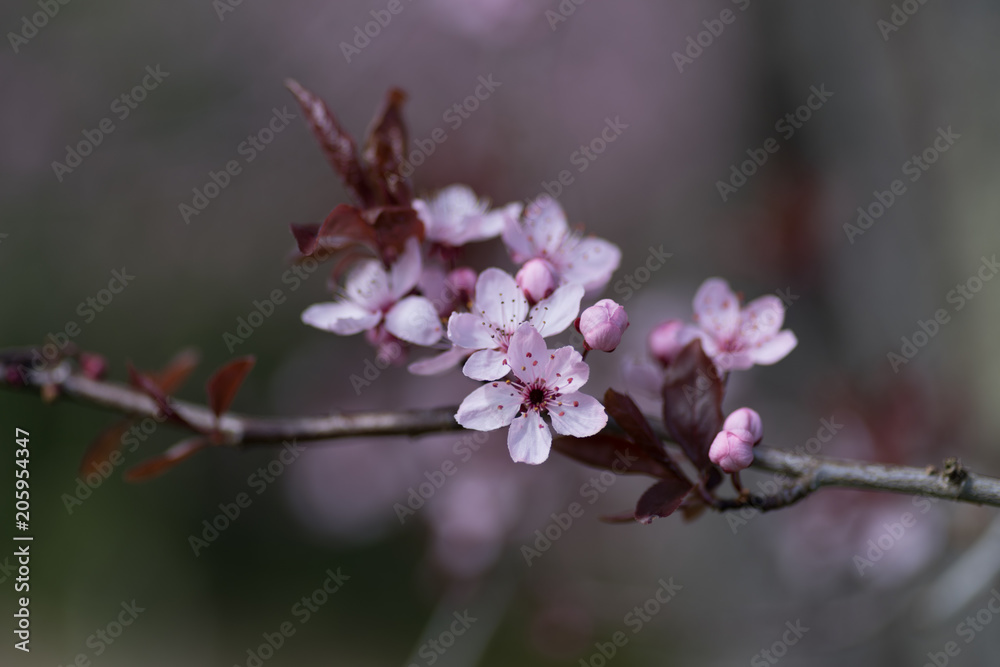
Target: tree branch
x,y
805,473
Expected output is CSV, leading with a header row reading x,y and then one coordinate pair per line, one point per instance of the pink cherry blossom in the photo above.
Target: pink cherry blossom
x,y
374,299
732,448
544,234
500,307
737,338
602,325
456,216
546,382
664,341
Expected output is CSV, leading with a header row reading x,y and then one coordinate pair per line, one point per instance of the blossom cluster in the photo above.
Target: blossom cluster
x,y
493,321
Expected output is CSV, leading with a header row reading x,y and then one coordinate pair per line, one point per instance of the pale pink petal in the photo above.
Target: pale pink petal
x,y
490,407
708,342
642,378
527,355
745,419
731,450
367,285
529,439
515,237
405,273
486,365
761,319
717,310
415,320
566,370
545,224
471,331
774,350
579,415
438,363
492,224
499,299
552,315
341,317
590,263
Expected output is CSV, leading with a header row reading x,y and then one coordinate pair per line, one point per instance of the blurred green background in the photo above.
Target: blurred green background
x,y
655,184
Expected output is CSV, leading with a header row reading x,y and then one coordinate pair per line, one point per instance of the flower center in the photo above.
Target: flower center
x,y
536,396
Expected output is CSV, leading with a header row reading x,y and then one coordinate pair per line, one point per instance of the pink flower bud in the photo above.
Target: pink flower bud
x,y
745,419
463,283
537,279
663,341
732,449
603,324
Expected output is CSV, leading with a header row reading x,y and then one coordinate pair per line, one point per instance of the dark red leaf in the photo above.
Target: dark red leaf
x,y
226,381
149,387
622,517
337,145
612,453
393,228
661,499
627,415
107,442
158,465
176,371
692,402
385,150
343,227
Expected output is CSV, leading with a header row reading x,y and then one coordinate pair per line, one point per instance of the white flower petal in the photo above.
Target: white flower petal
x,y
579,415
438,363
775,349
499,300
471,331
545,224
552,315
341,317
590,263
405,273
761,319
415,320
515,237
527,355
529,439
486,365
489,225
566,370
367,285
490,407
716,308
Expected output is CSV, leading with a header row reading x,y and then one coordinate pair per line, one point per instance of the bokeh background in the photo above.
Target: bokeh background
x,y
563,69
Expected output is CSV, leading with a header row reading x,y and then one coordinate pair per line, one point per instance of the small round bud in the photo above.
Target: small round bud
x,y
745,419
537,279
664,342
732,449
603,324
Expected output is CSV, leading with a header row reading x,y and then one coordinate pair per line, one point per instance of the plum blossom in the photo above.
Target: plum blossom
x,y
544,233
602,325
498,310
457,216
663,341
732,448
545,382
374,301
737,338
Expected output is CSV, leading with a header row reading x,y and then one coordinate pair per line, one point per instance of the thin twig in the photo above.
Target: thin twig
x,y
805,473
